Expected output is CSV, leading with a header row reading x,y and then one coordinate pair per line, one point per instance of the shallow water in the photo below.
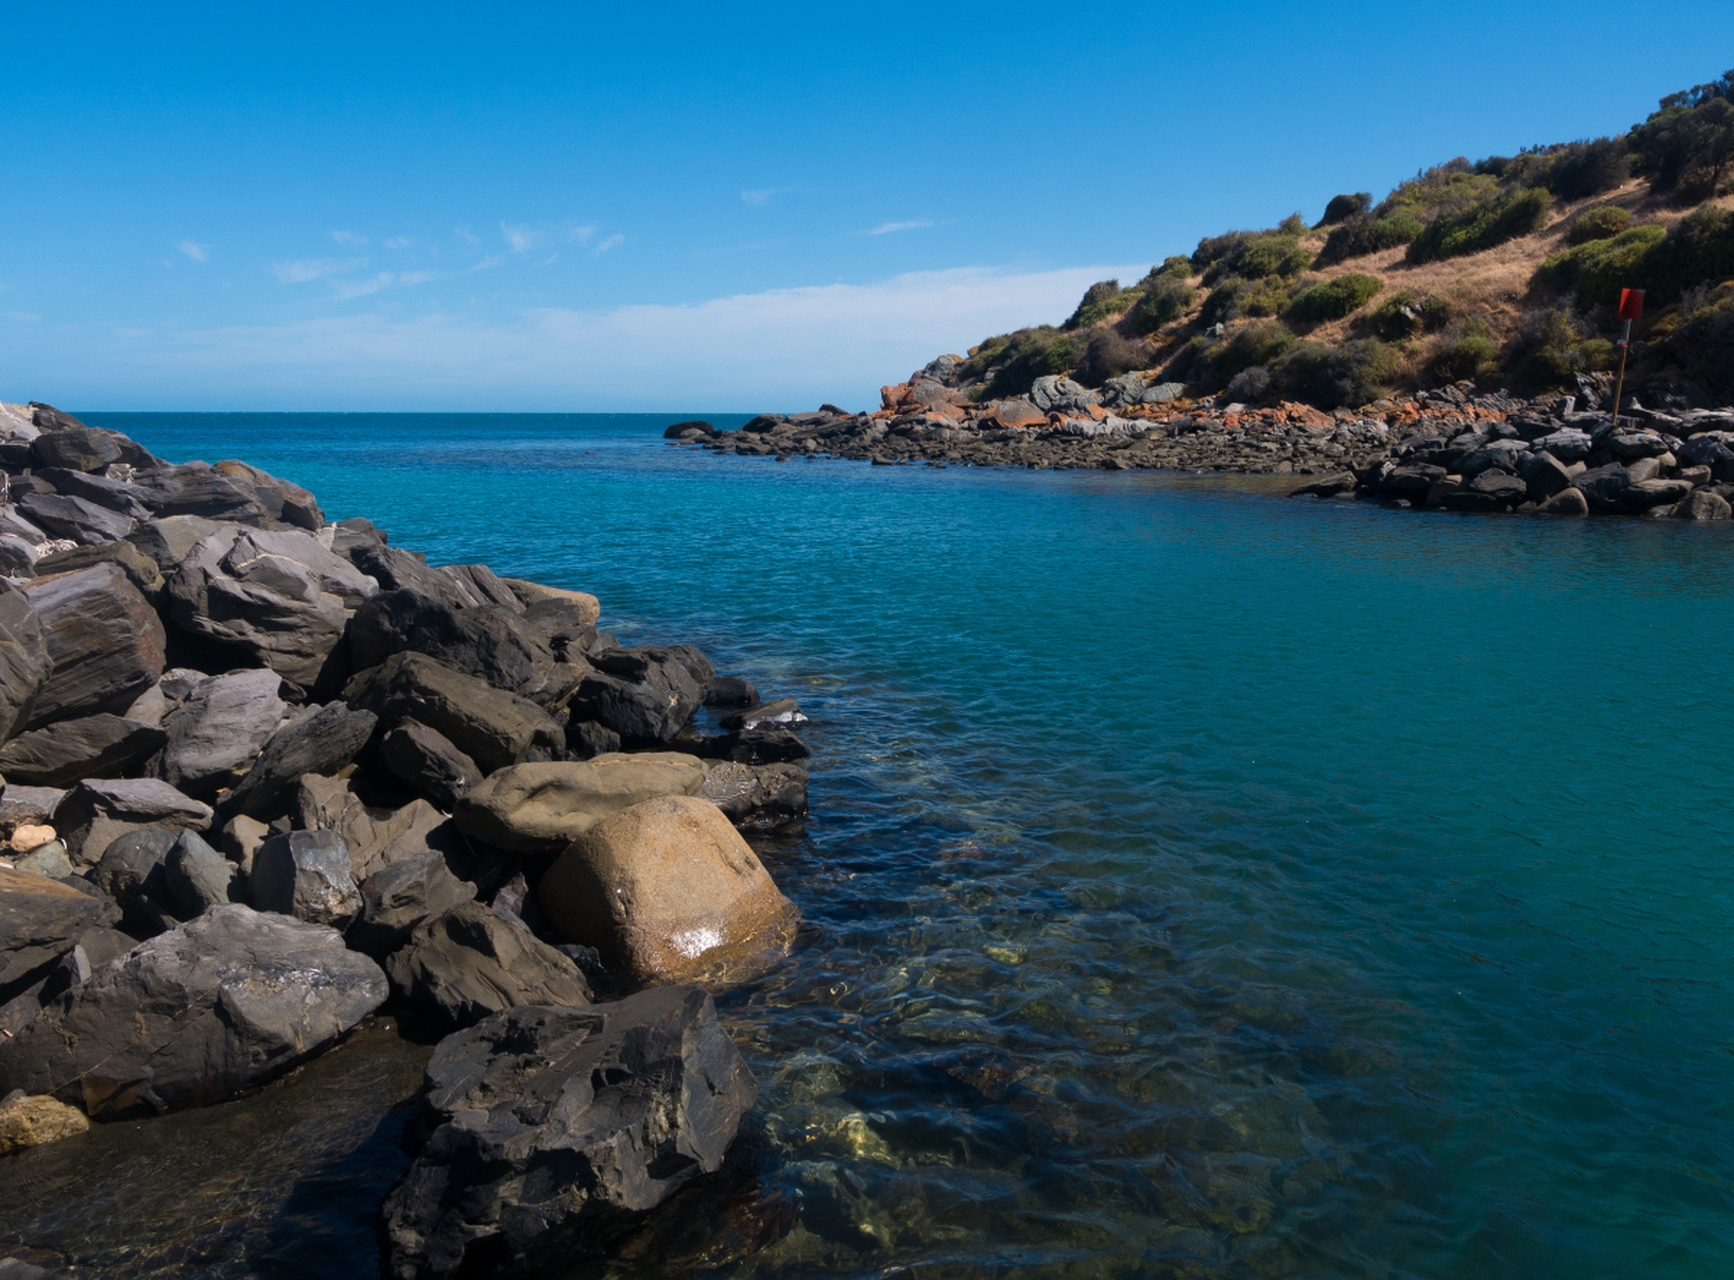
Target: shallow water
x,y
1199,884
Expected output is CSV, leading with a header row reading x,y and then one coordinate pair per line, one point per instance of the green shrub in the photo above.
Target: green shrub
x,y
1343,207
1704,342
1483,225
1444,186
1603,222
1471,355
1234,299
1257,343
1698,251
1403,315
1165,299
1570,170
1552,348
1177,267
1103,299
1293,225
1688,145
1355,373
1250,254
1363,234
1016,360
1213,248
1109,355
1600,269
1334,299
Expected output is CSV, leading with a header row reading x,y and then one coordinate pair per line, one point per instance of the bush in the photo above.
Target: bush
x,y
1016,360
1471,355
1355,373
1293,225
1334,299
1103,299
1445,186
1176,267
1688,145
1234,299
1165,299
1250,385
1258,343
1483,225
1597,271
1570,170
1603,222
1108,356
1553,347
1362,234
1704,343
1343,207
1252,255
1403,315
1699,250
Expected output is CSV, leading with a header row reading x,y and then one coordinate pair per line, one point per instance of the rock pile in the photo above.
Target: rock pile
x,y
266,773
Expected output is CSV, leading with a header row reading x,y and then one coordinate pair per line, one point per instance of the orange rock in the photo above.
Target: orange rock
x,y
1097,412
894,396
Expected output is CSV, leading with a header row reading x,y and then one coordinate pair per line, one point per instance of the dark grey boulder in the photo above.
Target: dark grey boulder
x,y
376,837
586,739
25,664
139,567
494,728
1709,449
485,641
223,724
305,874
758,797
647,694
543,1131
482,585
1602,486
113,495
1567,444
1504,455
1544,476
472,961
96,812
428,763
1331,486
1410,481
197,489
396,569
401,896
196,877
323,742
41,920
133,872
695,427
1502,487
1629,446
282,500
17,557
27,806
101,746
762,745
730,691
76,518
1642,495
195,1015
169,540
48,860
75,447
104,640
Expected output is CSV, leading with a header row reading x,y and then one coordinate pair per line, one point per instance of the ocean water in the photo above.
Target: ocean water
x,y
1199,884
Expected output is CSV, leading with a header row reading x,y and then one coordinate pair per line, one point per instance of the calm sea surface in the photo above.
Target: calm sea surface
x,y
1199,884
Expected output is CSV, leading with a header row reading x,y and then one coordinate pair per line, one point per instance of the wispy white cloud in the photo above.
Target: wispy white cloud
x,y
612,242
305,269
360,288
194,250
464,233
578,234
488,263
398,242
417,277
764,195
520,239
349,240
886,228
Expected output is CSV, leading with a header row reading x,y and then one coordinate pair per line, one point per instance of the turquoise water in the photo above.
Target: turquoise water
x,y
1199,884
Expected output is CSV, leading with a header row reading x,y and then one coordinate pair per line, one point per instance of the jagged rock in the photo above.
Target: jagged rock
x,y
565,626
1055,393
139,567
758,797
322,742
17,557
1544,475
1641,495
194,1015
542,1131
646,695
541,808
25,664
667,890
133,871
113,495
586,739
1501,487
429,763
225,722
1602,486
21,806
730,691
98,811
485,641
533,593
198,489
396,899
169,540
48,860
306,874
754,746
30,1122
283,501
494,728
79,519
75,447
375,837
779,713
1704,505
196,876
396,569
1330,486
1568,444
41,920
240,839
483,585
103,638
471,961
102,746
1503,455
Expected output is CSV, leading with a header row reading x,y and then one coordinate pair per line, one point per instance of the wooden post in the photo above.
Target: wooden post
x,y
1631,308
1620,384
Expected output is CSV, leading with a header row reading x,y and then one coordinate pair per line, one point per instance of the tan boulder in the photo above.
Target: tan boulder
x,y
30,837
32,1121
531,592
668,891
543,807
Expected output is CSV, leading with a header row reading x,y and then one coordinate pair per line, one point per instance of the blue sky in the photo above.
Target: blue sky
x,y
703,207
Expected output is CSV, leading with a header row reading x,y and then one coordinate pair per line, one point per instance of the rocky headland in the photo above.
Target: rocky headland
x,y
267,776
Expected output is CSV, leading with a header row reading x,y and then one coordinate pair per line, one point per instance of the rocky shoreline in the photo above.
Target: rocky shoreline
x,y
266,776
1454,448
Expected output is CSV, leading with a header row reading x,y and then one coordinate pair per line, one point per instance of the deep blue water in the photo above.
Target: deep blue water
x,y
1199,883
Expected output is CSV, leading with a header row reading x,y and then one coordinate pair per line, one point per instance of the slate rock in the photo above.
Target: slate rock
x,y
482,585
730,691
375,837
541,808
218,730
543,1131
113,495
486,641
104,640
1629,446
282,500
1645,494
1568,444
41,920
75,447
494,728
139,567
1603,486
1503,455
133,871
306,874
100,746
79,519
1543,476
758,797
396,569
28,806
586,739
25,664
428,763
1504,488
169,540
399,897
644,694
667,890
196,877
198,489
472,961
322,742
96,812
17,557
193,1016
1331,486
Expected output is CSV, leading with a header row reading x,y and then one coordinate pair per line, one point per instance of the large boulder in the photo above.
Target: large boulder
x,y
100,746
543,1131
1602,487
428,763
133,872
40,921
1642,495
306,874
472,961
136,564
197,877
198,489
118,496
585,606
169,540
322,741
486,641
396,899
758,797
1704,505
78,519
190,1017
668,890
646,695
494,728
542,808
376,837
283,501
96,812
25,664
104,640
74,446
225,722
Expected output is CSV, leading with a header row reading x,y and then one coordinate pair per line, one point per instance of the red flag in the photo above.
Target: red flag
x,y
1631,304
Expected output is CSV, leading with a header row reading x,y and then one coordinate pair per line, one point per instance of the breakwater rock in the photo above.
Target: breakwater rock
x,y
269,774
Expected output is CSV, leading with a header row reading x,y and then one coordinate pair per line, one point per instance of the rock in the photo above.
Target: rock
x,y
322,742
586,739
1055,393
168,540
541,808
1644,494
41,920
196,877
1545,475
1567,502
543,1131
46,860
758,797
481,586
104,641
25,664
193,1016
30,1122
456,586
730,691
139,567
1602,486
240,839
1568,444
1704,505
219,729
429,763
1644,469
1708,449
17,557
472,961
27,806
133,871
494,728
755,746
198,489
98,811
306,874
1629,446
1503,488
27,838
533,593
696,427
396,899
666,891
375,837
485,641
77,519
77,448
282,500
646,695
778,714
1329,486
1504,455
101,746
